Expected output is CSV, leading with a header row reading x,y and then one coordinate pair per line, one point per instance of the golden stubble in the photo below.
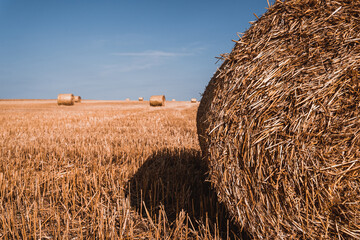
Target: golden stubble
x,y
104,169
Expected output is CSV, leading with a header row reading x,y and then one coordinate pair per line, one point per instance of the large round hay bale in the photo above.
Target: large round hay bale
x,y
279,123
65,99
193,100
77,99
157,100
141,99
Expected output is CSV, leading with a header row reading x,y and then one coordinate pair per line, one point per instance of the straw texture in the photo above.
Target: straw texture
x,y
279,123
157,100
65,99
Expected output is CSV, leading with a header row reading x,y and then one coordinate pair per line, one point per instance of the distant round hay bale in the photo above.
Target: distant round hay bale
x,y
77,99
65,99
173,100
141,99
157,100
128,99
279,123
193,100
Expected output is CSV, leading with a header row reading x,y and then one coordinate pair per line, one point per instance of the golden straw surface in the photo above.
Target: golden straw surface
x,y
279,123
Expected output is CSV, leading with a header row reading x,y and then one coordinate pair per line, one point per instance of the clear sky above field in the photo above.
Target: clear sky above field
x,y
116,49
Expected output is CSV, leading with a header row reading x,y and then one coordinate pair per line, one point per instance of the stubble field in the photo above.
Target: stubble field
x,y
105,170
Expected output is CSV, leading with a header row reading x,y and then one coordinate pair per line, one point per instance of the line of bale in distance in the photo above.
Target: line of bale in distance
x,y
279,123
68,99
77,99
140,99
157,100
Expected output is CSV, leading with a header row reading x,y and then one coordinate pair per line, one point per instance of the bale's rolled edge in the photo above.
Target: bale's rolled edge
x,y
202,115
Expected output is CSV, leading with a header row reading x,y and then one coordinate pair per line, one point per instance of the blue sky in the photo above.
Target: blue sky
x,y
116,49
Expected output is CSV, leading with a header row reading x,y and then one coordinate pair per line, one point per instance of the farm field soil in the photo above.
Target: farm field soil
x,y
105,170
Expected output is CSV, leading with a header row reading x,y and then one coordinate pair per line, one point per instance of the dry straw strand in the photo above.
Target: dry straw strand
x,y
157,100
65,99
279,123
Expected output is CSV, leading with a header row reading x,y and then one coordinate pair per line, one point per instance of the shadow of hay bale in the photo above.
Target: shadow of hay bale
x,y
176,179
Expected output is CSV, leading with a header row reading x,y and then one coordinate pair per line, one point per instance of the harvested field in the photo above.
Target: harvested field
x,y
105,170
